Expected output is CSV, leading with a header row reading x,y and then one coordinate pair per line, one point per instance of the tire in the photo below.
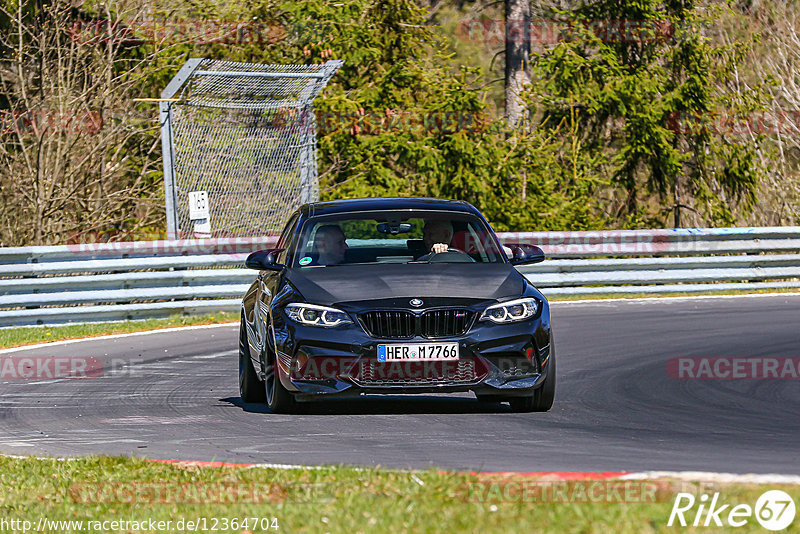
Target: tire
x,y
250,387
278,398
542,398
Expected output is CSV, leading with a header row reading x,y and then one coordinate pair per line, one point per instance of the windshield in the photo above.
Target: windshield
x,y
395,237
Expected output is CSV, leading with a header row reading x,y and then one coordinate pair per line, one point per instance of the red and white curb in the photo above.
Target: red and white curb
x,y
693,476
193,463
722,478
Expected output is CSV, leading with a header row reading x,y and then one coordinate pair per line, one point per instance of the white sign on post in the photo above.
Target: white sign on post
x,y
198,212
198,205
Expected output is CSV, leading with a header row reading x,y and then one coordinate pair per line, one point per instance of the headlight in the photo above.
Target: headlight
x,y
512,311
313,315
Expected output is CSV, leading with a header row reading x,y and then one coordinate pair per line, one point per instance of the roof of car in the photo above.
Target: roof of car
x,y
393,203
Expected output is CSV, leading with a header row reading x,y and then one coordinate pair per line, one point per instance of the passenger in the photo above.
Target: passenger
x,y
330,244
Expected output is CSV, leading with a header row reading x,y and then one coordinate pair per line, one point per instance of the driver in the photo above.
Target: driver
x,y
437,236
331,245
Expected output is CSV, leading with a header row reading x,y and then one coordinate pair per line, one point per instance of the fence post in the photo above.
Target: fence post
x,y
165,119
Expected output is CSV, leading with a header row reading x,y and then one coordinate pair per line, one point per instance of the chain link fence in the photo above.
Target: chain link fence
x,y
239,143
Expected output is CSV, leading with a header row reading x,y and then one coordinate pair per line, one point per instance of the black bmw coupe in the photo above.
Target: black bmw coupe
x,y
394,296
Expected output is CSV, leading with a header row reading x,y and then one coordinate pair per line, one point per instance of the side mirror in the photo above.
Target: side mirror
x,y
526,254
264,260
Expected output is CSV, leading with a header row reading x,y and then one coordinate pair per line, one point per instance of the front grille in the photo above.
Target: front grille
x,y
444,323
404,325
389,324
374,373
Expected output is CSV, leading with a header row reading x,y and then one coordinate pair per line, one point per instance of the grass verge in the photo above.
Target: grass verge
x,y
333,499
16,337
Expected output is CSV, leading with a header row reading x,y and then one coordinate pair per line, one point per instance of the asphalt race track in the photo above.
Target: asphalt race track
x,y
174,395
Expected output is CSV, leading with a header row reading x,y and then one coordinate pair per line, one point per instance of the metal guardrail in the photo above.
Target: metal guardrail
x,y
113,281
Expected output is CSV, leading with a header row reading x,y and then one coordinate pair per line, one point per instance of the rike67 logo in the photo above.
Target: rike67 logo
x,y
774,510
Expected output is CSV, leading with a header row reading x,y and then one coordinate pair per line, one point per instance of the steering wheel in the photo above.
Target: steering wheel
x,y
452,255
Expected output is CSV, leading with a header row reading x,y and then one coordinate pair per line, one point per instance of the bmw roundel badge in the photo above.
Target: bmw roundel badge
x,y
415,302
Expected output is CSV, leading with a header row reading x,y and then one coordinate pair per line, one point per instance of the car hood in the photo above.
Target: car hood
x,y
345,283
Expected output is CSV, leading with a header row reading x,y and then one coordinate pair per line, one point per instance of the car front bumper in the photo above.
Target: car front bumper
x,y
494,360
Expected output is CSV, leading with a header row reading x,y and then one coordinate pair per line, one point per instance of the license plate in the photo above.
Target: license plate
x,y
417,352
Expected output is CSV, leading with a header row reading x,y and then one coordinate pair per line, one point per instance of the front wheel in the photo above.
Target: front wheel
x,y
278,398
250,387
542,398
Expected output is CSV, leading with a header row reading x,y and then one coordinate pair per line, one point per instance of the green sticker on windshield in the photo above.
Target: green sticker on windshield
x,y
305,261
